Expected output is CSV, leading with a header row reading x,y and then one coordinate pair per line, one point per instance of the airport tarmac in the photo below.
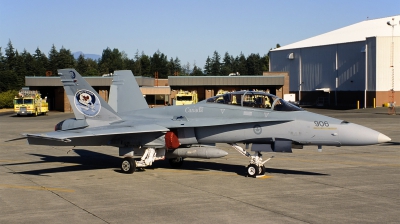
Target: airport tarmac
x,y
44,184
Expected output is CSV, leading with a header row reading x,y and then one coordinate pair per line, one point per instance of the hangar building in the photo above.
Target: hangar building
x,y
160,92
341,67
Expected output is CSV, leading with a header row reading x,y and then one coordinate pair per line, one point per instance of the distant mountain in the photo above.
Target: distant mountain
x,y
91,56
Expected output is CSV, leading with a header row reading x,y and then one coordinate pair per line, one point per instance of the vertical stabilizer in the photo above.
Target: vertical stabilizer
x,y
85,101
125,94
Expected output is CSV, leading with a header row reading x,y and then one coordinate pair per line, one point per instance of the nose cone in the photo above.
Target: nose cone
x,y
383,138
353,134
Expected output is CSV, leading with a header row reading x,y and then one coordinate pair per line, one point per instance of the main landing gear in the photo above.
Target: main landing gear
x,y
256,166
128,165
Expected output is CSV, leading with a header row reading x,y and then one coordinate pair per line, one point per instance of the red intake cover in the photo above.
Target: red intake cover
x,y
171,140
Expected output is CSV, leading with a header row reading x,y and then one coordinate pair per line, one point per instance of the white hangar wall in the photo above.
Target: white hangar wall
x,y
383,69
318,67
353,63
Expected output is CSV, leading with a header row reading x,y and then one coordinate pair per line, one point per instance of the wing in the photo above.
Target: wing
x,y
95,136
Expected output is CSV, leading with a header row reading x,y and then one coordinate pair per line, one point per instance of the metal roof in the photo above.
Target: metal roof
x,y
93,81
353,33
226,80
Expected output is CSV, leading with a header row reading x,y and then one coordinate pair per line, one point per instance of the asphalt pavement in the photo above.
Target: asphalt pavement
x,y
44,184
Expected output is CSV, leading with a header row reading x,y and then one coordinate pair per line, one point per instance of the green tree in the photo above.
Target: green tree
x,y
7,97
81,65
174,67
227,65
9,81
66,59
145,65
53,60
40,64
2,61
111,60
29,62
159,64
11,58
265,63
240,64
216,64
254,67
196,71
207,66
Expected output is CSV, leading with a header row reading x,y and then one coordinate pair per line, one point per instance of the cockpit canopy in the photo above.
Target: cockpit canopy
x,y
254,99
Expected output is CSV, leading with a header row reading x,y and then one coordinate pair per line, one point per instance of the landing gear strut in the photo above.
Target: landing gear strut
x,y
256,166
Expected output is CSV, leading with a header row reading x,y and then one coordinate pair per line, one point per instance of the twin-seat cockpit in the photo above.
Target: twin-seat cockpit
x,y
254,99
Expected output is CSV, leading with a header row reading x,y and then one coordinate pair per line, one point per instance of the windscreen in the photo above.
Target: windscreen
x,y
28,101
184,98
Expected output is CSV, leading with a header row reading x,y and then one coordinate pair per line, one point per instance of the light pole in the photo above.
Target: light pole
x,y
392,105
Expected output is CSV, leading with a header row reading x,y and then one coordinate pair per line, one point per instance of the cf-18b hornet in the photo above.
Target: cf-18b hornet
x,y
259,120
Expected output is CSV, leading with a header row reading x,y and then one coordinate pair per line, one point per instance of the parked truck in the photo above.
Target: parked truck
x,y
29,102
186,97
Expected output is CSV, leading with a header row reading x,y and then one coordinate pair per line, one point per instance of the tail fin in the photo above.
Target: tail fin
x,y
125,94
85,101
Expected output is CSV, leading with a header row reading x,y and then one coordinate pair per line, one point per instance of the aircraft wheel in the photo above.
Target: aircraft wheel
x,y
128,165
261,170
176,162
252,170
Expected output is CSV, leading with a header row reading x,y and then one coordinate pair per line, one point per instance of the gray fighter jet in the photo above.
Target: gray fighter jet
x,y
259,120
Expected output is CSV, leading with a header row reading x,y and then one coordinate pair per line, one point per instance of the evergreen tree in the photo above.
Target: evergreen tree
x,y
265,63
207,66
53,60
216,64
137,70
227,66
11,59
145,65
41,63
241,64
65,59
253,64
196,71
81,65
92,68
29,63
2,61
159,64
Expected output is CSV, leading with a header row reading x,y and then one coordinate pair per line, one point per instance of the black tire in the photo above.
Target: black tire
x,y
128,165
176,162
252,170
261,170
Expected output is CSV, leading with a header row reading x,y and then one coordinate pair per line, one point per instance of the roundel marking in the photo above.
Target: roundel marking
x,y
72,74
87,103
257,129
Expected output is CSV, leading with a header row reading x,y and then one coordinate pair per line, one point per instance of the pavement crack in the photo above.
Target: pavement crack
x,y
55,193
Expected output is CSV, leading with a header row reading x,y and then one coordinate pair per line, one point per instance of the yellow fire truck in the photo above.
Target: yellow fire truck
x,y
29,102
186,97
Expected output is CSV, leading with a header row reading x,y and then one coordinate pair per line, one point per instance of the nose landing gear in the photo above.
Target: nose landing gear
x,y
256,166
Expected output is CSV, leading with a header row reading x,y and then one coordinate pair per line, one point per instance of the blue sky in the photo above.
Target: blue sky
x,y
190,30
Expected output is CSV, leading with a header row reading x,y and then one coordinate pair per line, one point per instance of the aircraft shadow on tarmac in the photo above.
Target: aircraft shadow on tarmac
x,y
390,143
89,160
